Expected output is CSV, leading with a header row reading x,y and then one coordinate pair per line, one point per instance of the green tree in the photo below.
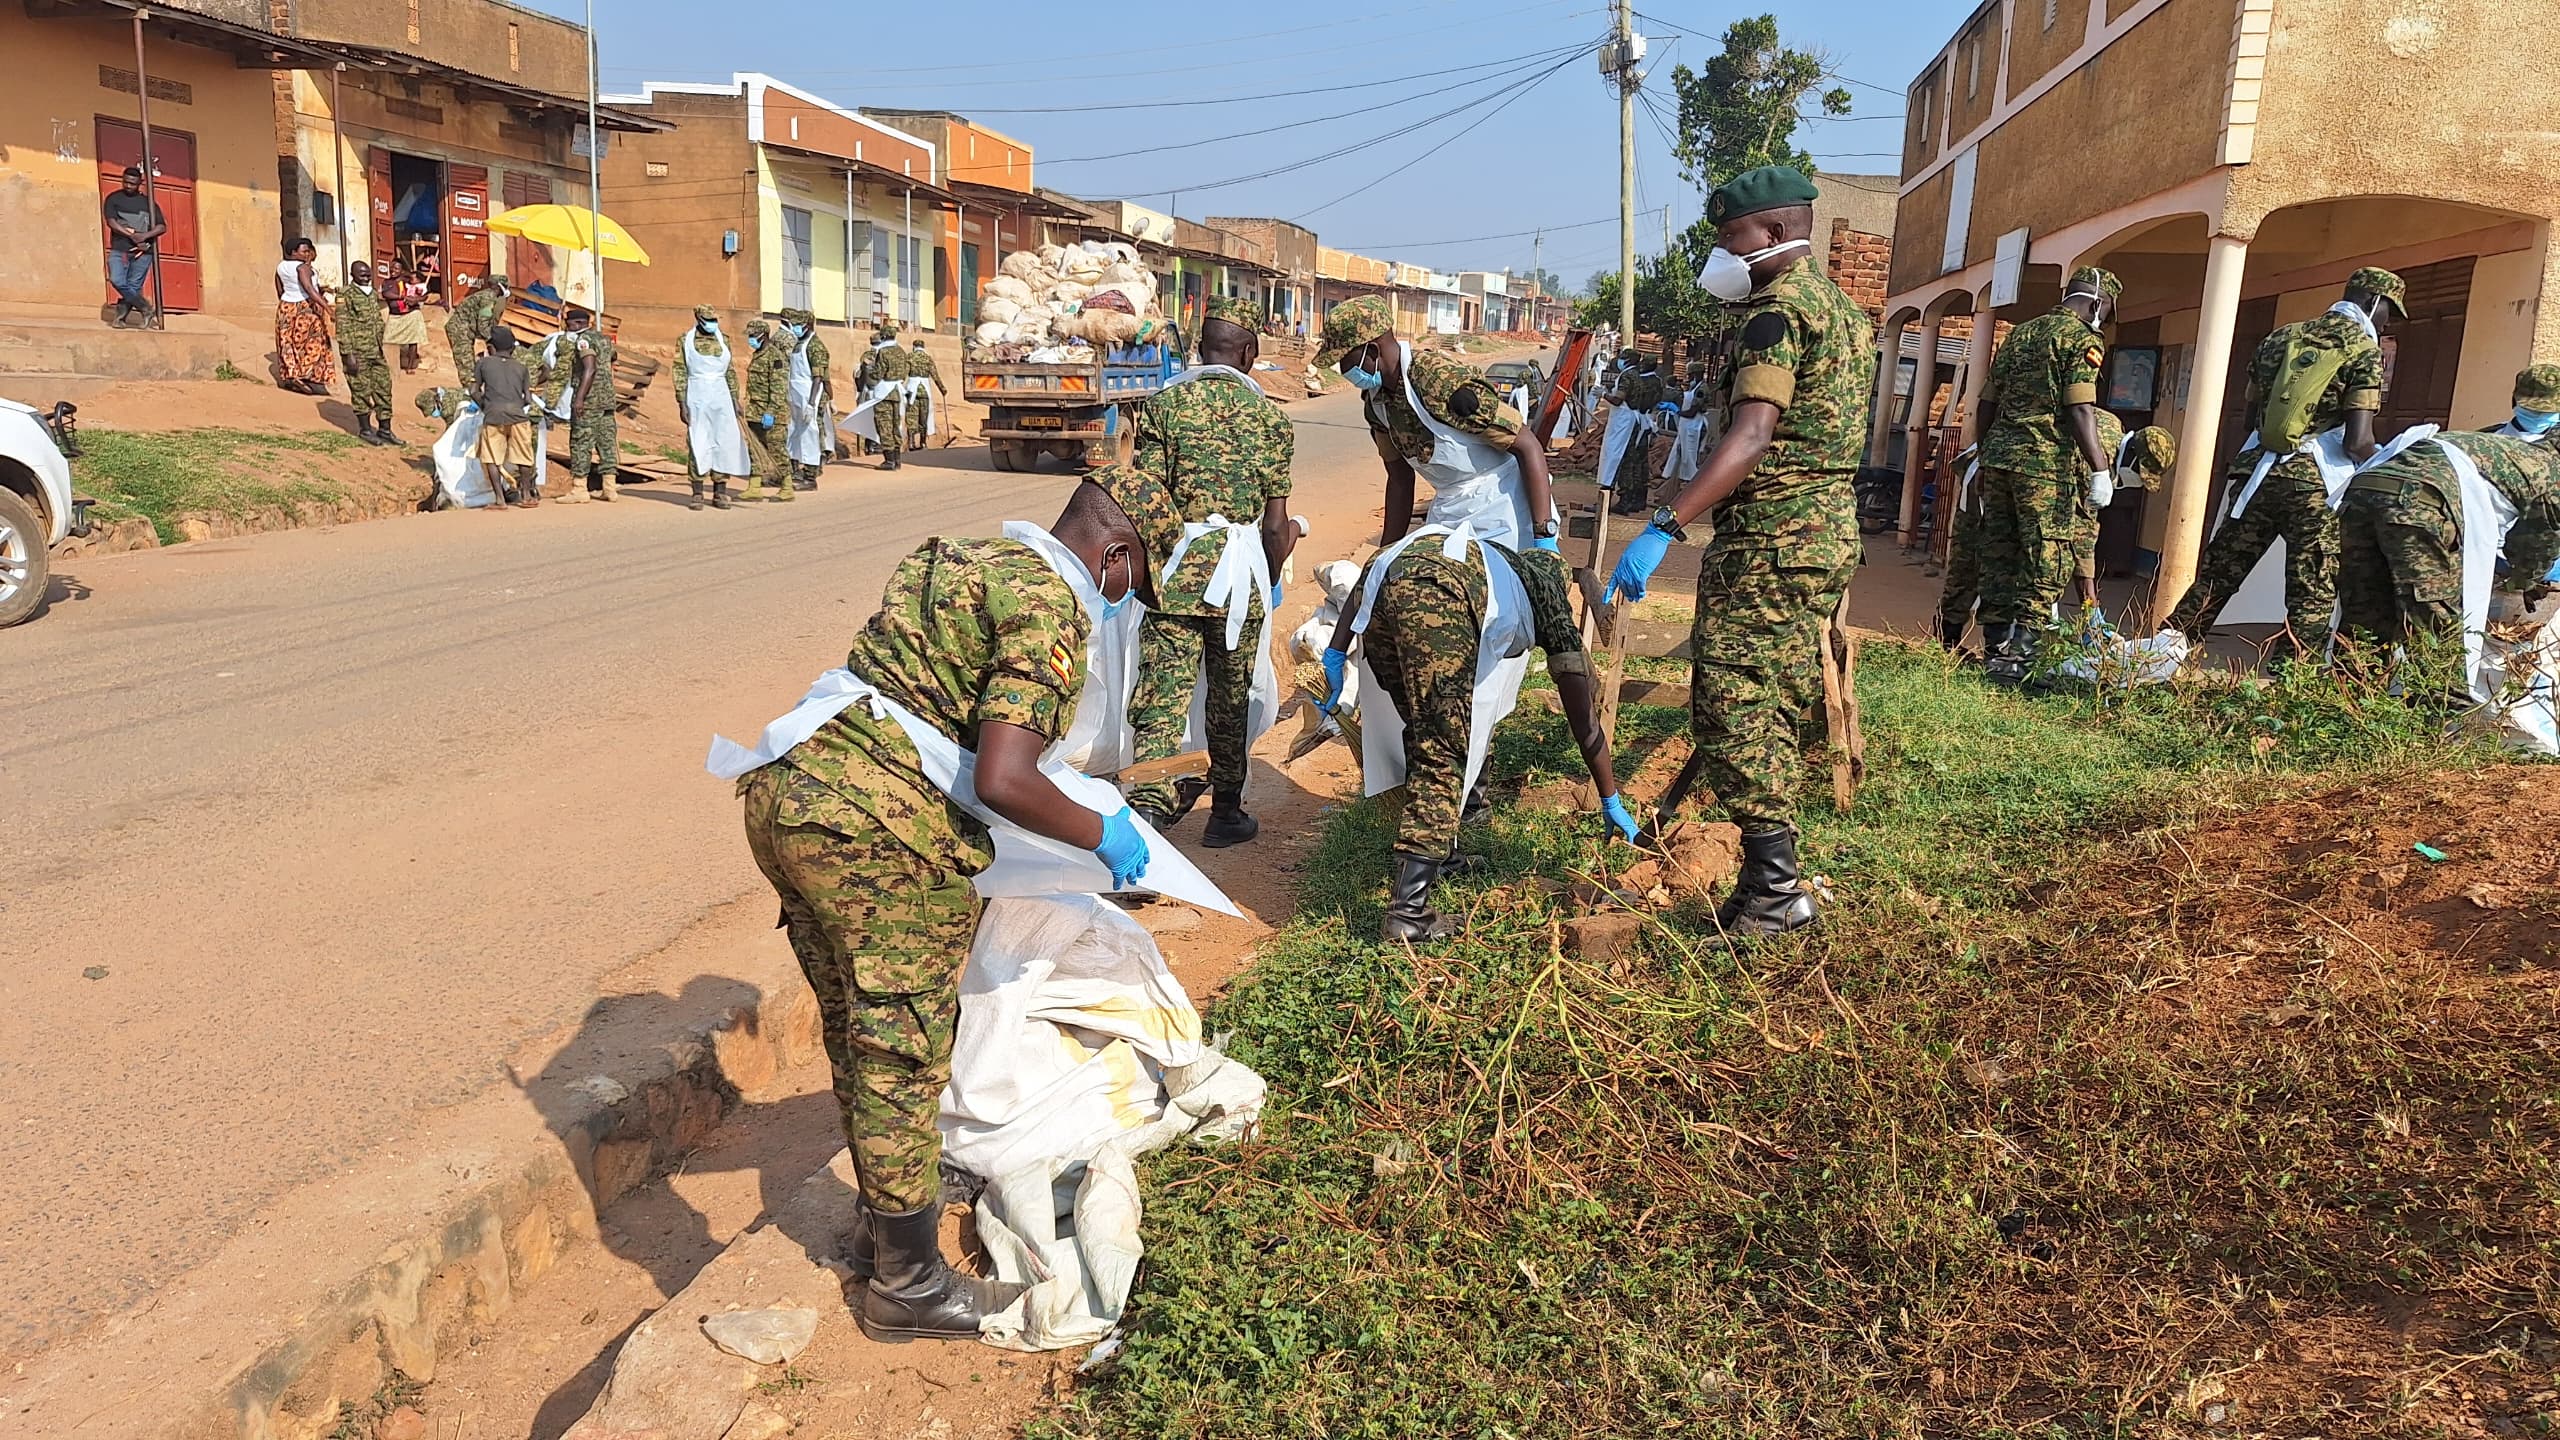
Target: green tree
x,y
1743,110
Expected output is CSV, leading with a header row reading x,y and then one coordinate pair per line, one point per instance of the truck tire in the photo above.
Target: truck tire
x,y
1001,452
25,568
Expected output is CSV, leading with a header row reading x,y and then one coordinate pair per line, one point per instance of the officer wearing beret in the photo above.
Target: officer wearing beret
x,y
2041,454
1780,487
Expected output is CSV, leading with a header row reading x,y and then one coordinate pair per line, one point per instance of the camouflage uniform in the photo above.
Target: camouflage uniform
x,y
1456,394
2293,502
595,435
1961,590
920,361
707,345
768,394
1785,546
886,363
441,402
2033,491
360,325
872,862
1217,448
2400,533
472,320
1422,644
821,376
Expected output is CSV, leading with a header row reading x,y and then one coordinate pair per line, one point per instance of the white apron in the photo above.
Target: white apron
x,y
1472,484
1498,674
804,442
1686,443
2260,600
719,446
864,419
2487,514
1242,572
919,390
1623,424
1025,864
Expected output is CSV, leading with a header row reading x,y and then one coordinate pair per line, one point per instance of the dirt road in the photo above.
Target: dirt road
x,y
314,829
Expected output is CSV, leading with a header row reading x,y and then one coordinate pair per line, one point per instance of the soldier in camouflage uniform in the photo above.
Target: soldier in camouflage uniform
x,y
885,365
2292,503
986,643
1218,447
472,320
706,342
1360,340
768,408
823,392
595,436
361,321
2038,457
1642,393
2400,531
2536,400
1425,636
1781,488
922,405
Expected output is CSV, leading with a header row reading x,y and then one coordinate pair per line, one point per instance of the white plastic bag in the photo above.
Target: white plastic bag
x,y
2526,674
2118,661
457,468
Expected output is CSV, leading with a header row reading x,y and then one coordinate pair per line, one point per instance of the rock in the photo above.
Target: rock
x,y
1703,858
1601,938
401,1424
767,1337
1167,917
758,1421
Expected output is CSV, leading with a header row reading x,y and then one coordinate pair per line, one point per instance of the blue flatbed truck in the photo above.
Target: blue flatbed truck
x,y
1074,412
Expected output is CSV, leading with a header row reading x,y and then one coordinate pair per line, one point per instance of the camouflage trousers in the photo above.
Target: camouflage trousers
x,y
882,936
890,419
595,445
2032,533
2399,564
2293,505
466,352
1174,653
369,390
919,414
766,459
1962,588
1421,644
1755,682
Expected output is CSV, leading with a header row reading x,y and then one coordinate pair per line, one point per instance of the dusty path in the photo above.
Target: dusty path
x,y
347,817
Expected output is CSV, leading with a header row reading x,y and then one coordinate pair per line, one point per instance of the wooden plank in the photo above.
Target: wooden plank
x,y
1172,767
1840,707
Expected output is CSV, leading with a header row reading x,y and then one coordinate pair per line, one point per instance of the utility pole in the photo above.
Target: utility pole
x,y
1623,62
1537,274
595,181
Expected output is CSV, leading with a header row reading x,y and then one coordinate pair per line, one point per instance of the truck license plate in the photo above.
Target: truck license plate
x,y
1044,422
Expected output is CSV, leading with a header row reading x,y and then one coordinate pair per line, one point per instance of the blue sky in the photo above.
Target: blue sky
x,y
1547,158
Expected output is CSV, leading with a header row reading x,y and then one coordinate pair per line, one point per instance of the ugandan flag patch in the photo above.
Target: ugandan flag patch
x,y
1062,663
2096,353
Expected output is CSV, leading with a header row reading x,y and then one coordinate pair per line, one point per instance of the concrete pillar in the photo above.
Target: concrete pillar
x,y
1977,364
2182,539
1915,424
1880,417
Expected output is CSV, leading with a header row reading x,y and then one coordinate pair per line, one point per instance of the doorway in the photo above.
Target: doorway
x,y
969,287
173,187
408,214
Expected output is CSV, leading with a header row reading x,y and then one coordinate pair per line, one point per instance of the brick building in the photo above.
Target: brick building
x,y
1290,250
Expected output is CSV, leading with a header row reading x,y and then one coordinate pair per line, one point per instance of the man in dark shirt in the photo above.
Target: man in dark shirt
x,y
503,389
134,226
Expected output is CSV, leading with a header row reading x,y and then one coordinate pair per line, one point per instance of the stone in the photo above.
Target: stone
x,y
1601,938
1702,857
401,1424
758,1421
622,1165
768,1337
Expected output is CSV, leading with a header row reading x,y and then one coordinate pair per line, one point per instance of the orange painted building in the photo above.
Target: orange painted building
x,y
999,214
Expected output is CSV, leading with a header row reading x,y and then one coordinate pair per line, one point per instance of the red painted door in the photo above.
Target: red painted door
x,y
528,264
383,248
173,160
466,223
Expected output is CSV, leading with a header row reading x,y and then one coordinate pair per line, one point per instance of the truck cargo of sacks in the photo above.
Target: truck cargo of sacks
x,y
1093,291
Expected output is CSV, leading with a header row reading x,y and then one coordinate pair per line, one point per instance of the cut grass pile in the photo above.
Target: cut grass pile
x,y
2093,1110
165,475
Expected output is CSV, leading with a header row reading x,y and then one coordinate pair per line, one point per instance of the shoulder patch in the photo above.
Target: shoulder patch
x,y
1463,404
1062,663
2097,353
1764,330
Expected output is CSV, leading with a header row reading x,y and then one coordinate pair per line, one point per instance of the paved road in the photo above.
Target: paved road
x,y
309,831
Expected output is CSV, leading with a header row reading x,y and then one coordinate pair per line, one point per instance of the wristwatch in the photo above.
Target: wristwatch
x,y
1667,520
1545,529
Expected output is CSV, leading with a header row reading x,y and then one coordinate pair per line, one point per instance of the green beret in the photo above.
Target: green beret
x,y
2374,280
1771,187
1234,310
2538,388
2090,280
2150,452
1352,324
1150,508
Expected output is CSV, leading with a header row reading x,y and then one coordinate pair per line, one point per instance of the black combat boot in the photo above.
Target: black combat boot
x,y
719,494
382,433
889,459
1951,633
1409,914
696,502
858,1254
1228,824
2006,650
807,479
914,1293
364,429
1768,897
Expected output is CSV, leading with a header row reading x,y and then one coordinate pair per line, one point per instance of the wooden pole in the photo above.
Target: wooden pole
x,y
150,176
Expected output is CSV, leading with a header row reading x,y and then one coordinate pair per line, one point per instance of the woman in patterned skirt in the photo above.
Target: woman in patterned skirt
x,y
302,322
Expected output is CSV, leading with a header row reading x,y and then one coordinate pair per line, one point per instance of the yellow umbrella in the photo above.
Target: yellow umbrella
x,y
571,226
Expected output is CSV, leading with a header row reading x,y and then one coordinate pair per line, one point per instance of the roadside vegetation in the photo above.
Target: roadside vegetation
x,y
165,475
2145,1080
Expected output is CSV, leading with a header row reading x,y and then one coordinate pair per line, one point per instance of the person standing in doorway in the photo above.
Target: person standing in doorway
x,y
134,228
707,404
360,327
302,322
404,301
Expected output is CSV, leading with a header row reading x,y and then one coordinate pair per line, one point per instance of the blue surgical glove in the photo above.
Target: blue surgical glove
x,y
1123,849
1276,588
1667,408
766,422
1616,809
1636,565
1548,543
1336,664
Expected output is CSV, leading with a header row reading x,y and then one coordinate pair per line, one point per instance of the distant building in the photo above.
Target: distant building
x,y
998,211
1291,252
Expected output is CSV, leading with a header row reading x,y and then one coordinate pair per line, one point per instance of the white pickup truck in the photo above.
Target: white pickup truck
x,y
37,509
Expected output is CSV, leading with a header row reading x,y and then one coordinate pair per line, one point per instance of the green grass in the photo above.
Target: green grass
x,y
163,476
228,371
1949,1167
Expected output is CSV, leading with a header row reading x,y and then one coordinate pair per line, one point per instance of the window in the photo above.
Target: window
x,y
515,52
796,246
413,22
1972,66
2052,11
910,279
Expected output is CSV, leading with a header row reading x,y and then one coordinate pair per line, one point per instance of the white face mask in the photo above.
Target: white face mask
x,y
1727,276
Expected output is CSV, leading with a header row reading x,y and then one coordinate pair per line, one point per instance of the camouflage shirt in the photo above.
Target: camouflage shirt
x,y
921,362
1807,348
2047,365
704,345
2356,386
1642,392
882,362
552,366
360,324
819,360
968,631
595,342
1551,622
475,317
769,379
1456,394
1218,448
2526,473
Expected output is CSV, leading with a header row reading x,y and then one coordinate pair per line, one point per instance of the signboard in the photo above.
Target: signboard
x,y
1959,213
585,142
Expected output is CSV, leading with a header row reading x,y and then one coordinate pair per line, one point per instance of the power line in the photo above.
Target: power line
x,y
1894,90
1445,144
1532,57
1506,235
